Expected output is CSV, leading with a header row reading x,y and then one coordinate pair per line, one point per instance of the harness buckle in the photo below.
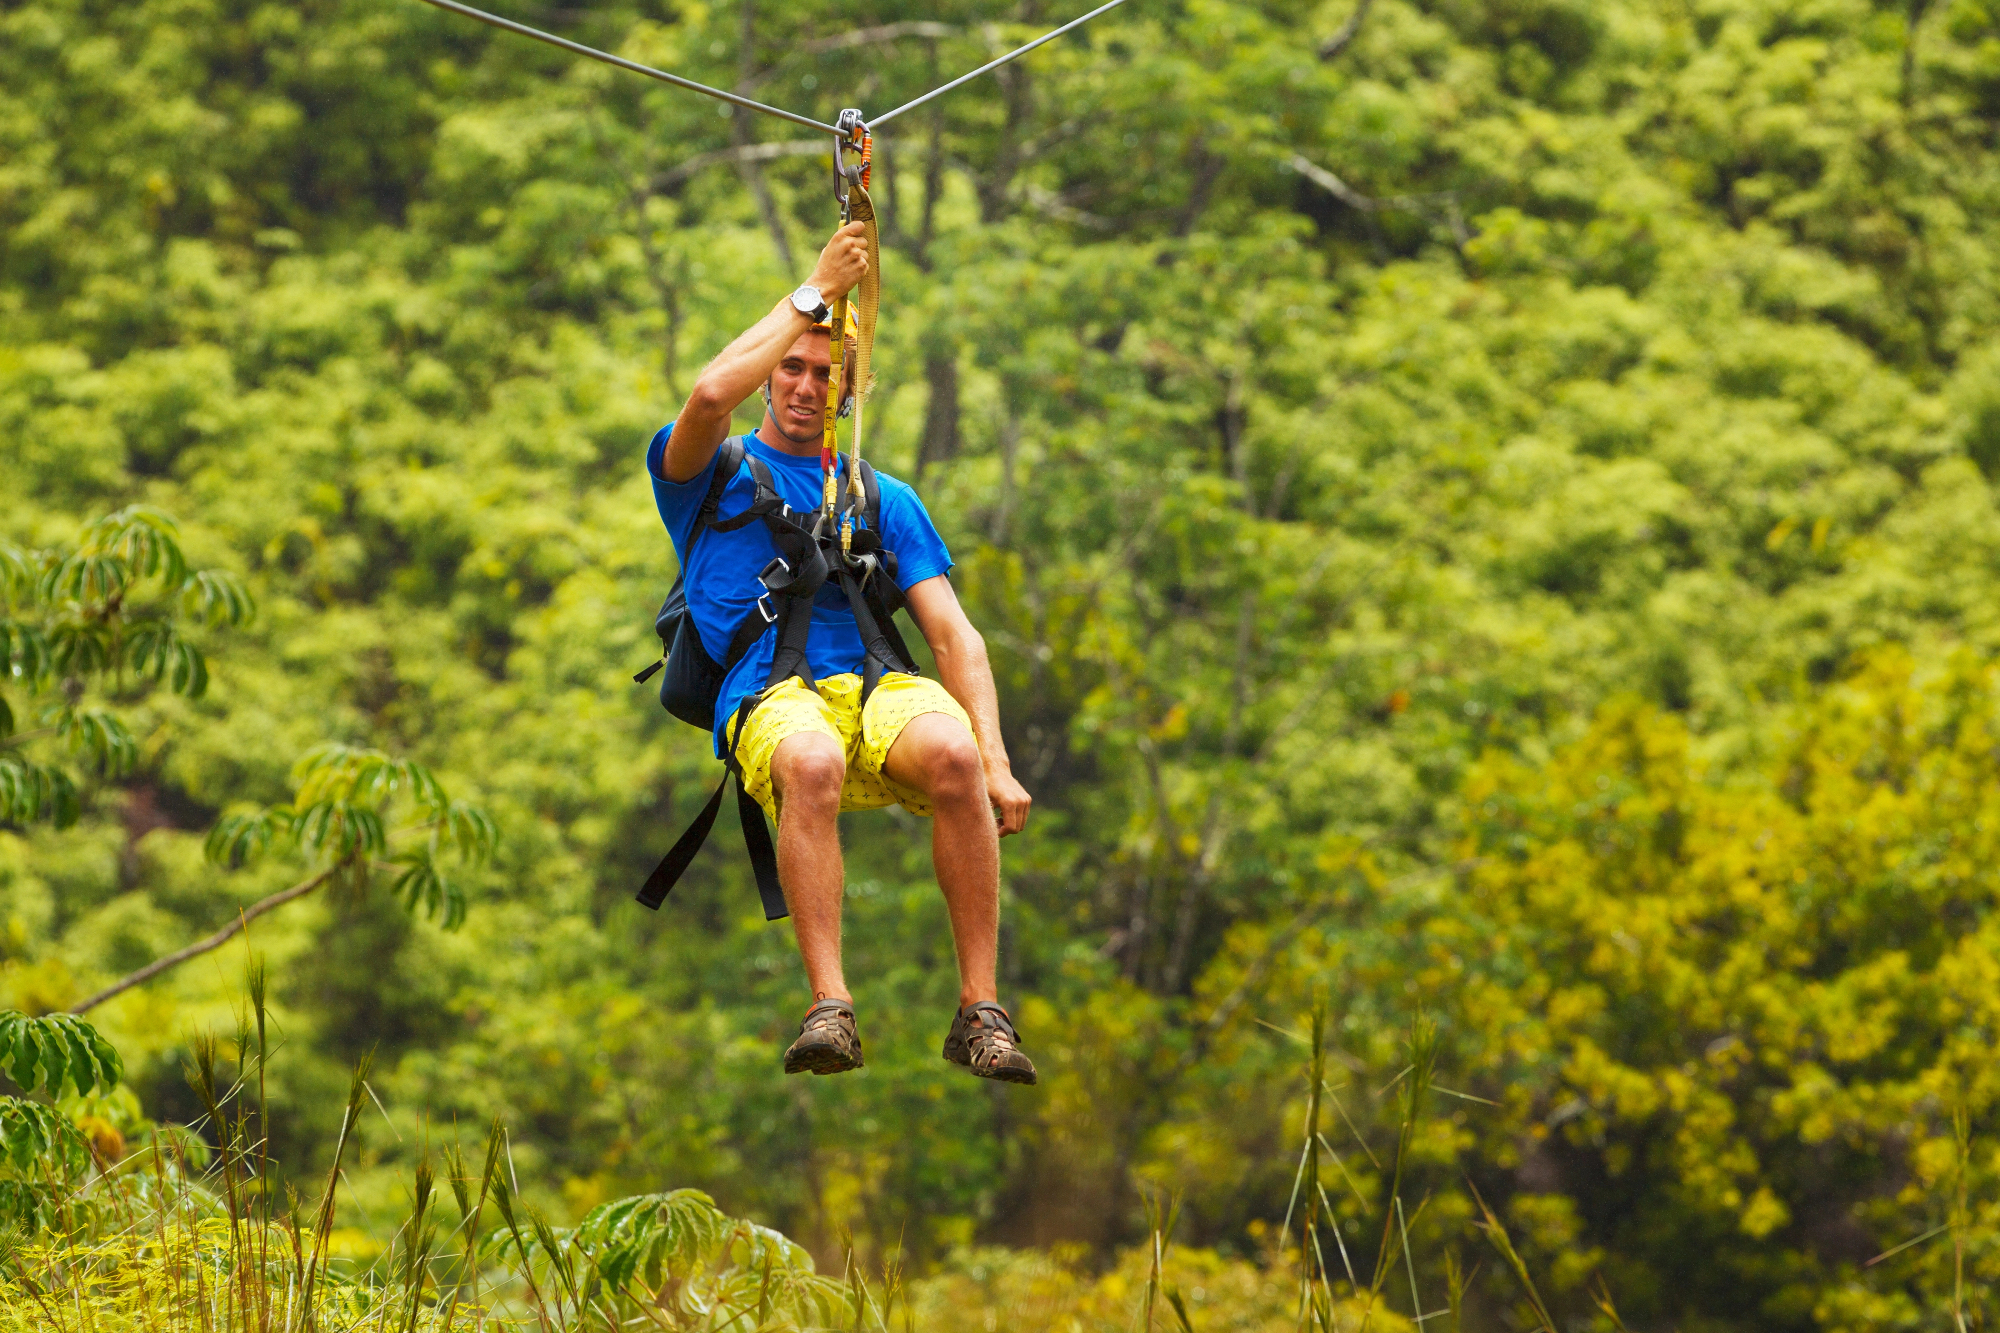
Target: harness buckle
x,y
778,566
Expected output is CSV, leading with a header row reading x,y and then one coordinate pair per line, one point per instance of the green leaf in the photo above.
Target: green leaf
x,y
23,1056
100,734
217,598
421,888
238,838
47,1053
31,791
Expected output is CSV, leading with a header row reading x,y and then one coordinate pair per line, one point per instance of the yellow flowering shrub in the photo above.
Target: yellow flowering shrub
x,y
1744,1026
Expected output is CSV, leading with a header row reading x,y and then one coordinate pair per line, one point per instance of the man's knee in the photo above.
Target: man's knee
x,y
808,769
955,772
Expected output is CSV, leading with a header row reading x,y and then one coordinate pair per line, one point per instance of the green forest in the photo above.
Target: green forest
x,y
1484,514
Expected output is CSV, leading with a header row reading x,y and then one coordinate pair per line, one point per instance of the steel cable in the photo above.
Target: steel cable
x,y
1015,54
579,48
736,99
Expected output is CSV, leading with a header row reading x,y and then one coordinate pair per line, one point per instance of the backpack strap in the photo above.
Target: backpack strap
x,y
728,462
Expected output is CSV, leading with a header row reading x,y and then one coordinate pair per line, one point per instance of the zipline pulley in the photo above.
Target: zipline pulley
x,y
849,132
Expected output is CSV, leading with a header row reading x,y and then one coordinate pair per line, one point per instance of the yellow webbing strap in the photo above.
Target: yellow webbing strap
x,y
868,304
829,446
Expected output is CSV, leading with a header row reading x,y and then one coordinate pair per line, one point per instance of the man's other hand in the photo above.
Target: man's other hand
x,y
1010,800
842,263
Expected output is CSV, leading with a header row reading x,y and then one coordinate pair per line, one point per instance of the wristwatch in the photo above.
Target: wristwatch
x,y
807,301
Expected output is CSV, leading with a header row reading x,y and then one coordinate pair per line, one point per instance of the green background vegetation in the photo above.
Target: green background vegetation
x,y
1488,512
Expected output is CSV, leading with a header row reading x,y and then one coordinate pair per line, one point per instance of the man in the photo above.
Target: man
x,y
806,755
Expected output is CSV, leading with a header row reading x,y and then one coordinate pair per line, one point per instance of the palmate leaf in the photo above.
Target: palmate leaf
x,y
340,830
24,651
156,650
239,838
216,598
351,773
31,791
654,1236
22,1206
678,1242
100,734
144,539
57,1051
79,646
17,570
768,1270
91,578
467,828
422,888
341,816
31,1132
38,1142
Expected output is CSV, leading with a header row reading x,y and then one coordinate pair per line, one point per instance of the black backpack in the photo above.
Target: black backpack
x,y
693,678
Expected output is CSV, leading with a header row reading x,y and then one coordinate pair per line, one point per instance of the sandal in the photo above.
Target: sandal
x,y
983,1039
828,1041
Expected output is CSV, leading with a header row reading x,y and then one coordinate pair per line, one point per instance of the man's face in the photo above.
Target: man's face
x,y
798,388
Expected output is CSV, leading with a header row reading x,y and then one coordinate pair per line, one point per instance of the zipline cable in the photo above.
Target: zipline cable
x,y
879,121
736,99
580,49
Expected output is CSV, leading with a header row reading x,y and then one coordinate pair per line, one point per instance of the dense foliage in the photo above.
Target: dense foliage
x,y
1360,430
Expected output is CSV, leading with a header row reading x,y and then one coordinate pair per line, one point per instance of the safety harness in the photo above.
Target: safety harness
x,y
839,543
812,552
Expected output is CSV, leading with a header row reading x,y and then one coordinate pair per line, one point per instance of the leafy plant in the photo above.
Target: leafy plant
x,y
675,1254
342,820
111,613
41,1148
338,817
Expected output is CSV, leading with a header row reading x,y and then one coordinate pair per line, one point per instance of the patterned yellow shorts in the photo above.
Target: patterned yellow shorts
x,y
866,735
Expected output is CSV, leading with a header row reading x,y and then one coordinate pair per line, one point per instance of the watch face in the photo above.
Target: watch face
x,y
807,300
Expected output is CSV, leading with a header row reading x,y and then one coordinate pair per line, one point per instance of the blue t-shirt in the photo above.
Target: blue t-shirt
x,y
722,582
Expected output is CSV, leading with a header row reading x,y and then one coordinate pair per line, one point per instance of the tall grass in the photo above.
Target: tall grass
x,y
198,1235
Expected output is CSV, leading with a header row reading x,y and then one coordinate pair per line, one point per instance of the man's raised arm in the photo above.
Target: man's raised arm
x,y
747,363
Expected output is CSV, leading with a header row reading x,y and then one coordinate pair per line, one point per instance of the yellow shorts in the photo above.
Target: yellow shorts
x,y
789,708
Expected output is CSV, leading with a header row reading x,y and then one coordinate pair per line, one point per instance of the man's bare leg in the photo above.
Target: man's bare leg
x,y
937,755
807,772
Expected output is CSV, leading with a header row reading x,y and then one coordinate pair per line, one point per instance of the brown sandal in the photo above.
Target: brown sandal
x,y
828,1043
983,1039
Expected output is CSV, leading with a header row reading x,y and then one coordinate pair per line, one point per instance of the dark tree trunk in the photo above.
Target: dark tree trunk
x,y
940,440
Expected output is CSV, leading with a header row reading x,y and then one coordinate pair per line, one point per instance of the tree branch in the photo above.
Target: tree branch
x,y
887,32
741,132
1337,43
1414,203
215,941
748,152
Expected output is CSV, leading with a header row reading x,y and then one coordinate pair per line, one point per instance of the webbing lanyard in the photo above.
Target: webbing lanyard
x,y
850,189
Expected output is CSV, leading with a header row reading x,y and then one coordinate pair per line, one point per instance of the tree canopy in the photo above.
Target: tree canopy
x,y
1478,506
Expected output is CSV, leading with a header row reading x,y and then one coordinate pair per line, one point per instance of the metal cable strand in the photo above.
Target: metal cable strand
x,y
579,48
883,119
